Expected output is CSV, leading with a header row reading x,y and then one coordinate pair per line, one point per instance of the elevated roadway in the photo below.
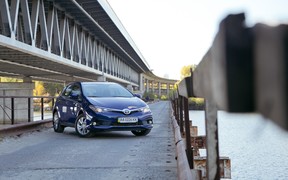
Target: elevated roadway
x,y
69,40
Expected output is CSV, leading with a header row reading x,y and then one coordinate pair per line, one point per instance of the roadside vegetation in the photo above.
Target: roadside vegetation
x,y
149,96
193,103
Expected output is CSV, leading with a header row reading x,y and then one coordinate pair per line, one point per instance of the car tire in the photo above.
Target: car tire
x,y
57,126
81,127
141,132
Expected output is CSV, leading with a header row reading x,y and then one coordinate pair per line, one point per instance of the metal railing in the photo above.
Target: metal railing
x,y
245,70
25,108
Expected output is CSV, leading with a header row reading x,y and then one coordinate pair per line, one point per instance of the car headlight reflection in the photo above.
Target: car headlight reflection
x,y
146,109
97,109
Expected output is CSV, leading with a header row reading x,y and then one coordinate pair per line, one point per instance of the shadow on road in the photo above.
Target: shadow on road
x,y
103,135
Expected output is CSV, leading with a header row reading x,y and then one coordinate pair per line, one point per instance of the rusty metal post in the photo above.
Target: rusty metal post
x,y
42,108
29,109
212,166
189,150
181,115
175,108
12,110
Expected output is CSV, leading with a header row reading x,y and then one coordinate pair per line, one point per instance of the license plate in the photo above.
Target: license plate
x,y
127,120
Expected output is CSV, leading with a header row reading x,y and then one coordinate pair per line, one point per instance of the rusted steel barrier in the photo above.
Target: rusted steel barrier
x,y
245,70
210,166
184,170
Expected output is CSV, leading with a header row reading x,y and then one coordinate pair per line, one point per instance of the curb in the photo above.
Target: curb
x,y
18,129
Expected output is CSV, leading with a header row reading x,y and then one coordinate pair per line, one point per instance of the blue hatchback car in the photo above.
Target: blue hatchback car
x,y
101,106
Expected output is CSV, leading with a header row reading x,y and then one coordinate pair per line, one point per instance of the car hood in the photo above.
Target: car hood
x,y
117,102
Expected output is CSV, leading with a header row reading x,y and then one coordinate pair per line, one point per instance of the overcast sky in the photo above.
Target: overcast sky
x,y
171,34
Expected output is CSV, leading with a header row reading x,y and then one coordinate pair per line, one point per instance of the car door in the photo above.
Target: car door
x,y
73,103
62,104
69,104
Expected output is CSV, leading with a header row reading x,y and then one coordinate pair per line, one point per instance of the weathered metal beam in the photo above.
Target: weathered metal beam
x,y
185,87
189,150
184,171
202,86
232,66
225,73
213,166
271,67
181,119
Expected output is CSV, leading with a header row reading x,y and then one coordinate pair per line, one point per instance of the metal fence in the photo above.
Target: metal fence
x,y
15,109
245,70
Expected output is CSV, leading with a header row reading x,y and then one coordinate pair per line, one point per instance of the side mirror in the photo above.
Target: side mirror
x,y
74,95
137,95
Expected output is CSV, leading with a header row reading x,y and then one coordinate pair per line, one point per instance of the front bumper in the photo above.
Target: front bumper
x,y
119,128
110,123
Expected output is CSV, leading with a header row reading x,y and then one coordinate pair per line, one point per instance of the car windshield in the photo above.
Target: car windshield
x,y
105,90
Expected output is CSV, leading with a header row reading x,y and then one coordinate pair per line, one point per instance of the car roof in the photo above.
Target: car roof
x,y
97,82
92,82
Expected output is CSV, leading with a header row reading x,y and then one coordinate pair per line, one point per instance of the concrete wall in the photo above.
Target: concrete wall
x,y
20,104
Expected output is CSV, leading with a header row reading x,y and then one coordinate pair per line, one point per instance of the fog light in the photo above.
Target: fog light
x,y
150,122
94,123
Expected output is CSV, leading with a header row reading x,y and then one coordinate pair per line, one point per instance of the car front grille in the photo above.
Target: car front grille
x,y
109,123
126,124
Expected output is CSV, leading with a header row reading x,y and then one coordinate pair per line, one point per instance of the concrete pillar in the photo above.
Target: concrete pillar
x,y
141,83
152,82
168,88
147,85
20,104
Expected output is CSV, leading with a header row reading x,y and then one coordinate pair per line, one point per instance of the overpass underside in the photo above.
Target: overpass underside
x,y
70,40
60,41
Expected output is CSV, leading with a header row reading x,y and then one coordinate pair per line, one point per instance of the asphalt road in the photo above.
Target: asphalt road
x,y
106,156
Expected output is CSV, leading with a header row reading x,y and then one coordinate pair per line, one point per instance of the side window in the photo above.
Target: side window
x,y
73,89
67,91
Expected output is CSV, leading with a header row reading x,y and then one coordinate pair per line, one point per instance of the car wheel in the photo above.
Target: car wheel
x,y
141,132
82,127
56,124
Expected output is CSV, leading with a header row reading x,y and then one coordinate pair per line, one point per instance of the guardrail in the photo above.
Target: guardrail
x,y
245,70
201,167
22,108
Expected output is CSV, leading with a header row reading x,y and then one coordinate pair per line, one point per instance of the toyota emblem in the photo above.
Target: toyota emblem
x,y
126,111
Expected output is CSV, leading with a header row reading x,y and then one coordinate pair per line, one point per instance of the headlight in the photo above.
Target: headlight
x,y
146,109
97,109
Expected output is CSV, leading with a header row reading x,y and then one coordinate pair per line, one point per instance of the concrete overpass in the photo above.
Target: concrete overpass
x,y
71,40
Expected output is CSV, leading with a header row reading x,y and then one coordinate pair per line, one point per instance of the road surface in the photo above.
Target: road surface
x,y
110,155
